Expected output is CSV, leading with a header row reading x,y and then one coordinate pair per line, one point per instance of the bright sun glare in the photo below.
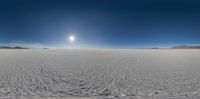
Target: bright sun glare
x,y
72,38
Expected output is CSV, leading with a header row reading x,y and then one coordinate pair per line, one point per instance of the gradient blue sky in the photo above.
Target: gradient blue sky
x,y
101,23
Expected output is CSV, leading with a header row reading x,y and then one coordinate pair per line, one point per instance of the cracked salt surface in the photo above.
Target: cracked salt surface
x,y
100,74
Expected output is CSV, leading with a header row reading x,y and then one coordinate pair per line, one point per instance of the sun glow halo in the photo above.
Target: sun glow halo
x,y
72,38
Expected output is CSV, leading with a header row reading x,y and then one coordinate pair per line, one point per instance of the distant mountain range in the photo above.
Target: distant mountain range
x,y
10,47
174,47
186,47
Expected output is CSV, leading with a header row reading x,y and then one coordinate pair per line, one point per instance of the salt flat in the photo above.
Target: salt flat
x,y
143,73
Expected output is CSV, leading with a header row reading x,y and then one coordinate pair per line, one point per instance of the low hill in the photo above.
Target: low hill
x,y
186,47
11,47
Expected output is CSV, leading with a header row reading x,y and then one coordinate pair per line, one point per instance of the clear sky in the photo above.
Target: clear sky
x,y
101,23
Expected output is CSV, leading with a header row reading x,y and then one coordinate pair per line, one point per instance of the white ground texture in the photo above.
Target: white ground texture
x,y
100,74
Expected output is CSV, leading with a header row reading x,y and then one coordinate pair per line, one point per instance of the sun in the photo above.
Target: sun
x,y
71,38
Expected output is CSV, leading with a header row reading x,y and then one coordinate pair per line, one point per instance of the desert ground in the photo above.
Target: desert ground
x,y
100,73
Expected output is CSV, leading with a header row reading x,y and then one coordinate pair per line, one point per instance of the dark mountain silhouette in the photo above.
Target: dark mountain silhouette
x,y
11,47
186,47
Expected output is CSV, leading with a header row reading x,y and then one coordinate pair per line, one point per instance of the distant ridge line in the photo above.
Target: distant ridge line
x,y
186,47
15,47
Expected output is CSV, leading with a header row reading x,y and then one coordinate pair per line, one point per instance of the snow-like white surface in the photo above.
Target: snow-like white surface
x,y
152,74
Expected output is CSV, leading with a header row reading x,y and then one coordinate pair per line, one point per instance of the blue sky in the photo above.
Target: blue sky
x,y
101,23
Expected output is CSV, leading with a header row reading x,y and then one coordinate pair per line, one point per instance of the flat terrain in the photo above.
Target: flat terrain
x,y
138,73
